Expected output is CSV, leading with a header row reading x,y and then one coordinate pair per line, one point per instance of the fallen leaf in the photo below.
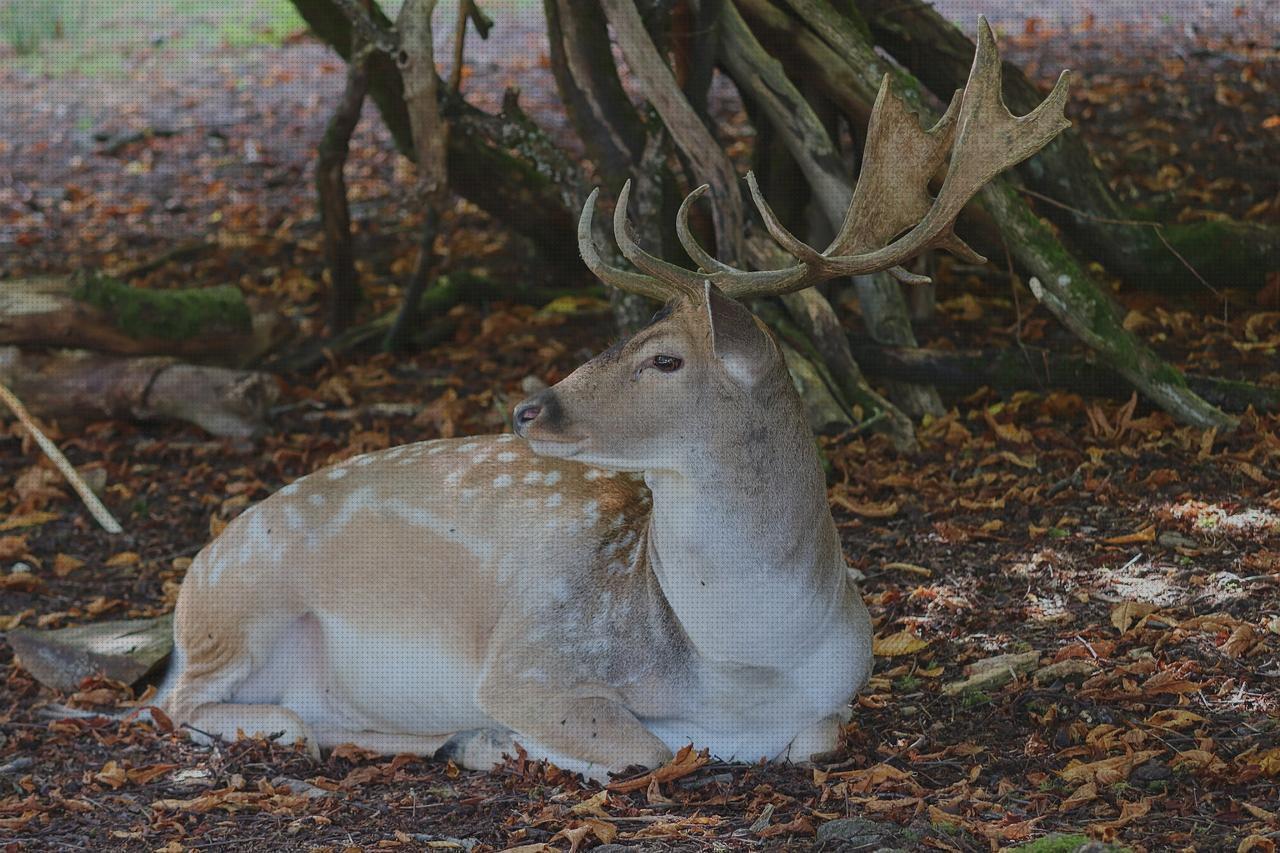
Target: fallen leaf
x,y
686,761
64,565
123,559
30,519
1146,534
594,806
1126,613
12,547
1011,433
111,774
1084,794
887,509
1176,719
1108,771
896,645
910,568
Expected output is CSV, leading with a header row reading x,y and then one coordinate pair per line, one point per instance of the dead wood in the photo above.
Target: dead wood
x,y
82,384
960,372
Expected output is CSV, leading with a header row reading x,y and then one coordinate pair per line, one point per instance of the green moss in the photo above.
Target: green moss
x,y
1061,844
166,314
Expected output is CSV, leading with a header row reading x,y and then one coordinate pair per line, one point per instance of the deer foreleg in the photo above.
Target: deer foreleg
x,y
591,735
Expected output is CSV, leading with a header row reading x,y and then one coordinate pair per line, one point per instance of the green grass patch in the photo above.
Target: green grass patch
x,y
29,25
112,38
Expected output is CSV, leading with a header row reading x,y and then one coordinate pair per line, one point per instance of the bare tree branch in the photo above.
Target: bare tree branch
x,y
691,136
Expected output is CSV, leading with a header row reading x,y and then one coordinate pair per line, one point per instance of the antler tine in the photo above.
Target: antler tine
x,y
700,256
677,278
731,280
610,275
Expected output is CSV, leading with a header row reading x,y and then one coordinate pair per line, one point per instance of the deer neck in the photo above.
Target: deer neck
x,y
744,546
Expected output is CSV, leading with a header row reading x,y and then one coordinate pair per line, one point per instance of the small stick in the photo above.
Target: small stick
x,y
95,507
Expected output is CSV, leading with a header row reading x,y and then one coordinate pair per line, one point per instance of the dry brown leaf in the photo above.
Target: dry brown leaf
x,y
686,761
36,487
12,547
1084,794
1257,844
64,564
123,560
1176,719
1146,534
593,806
1240,641
887,509
145,775
21,582
1269,761
1012,433
1108,771
28,519
896,645
111,774
1124,614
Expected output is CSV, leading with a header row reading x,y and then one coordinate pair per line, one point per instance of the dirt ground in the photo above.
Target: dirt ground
x,y
1132,563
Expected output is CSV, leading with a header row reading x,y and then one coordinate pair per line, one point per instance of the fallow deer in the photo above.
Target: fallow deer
x,y
650,560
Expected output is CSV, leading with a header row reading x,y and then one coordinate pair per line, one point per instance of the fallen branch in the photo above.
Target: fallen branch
x,y
695,141
80,384
100,513
960,372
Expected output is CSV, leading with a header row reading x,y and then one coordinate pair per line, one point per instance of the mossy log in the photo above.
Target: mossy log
x,y
97,312
960,372
82,384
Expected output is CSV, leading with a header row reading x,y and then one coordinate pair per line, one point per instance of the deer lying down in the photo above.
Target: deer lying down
x,y
457,597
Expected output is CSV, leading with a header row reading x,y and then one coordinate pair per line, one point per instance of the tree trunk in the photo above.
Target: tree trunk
x,y
331,189
1226,253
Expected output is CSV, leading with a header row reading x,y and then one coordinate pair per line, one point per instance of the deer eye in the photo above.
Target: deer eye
x,y
666,363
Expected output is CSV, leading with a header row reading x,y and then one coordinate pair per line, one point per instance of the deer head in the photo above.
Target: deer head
x,y
705,362
703,367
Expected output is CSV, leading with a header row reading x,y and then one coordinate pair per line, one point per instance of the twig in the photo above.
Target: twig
x,y
95,507
1158,227
459,41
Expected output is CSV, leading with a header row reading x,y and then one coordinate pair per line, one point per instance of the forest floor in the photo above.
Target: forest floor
x,y
1132,565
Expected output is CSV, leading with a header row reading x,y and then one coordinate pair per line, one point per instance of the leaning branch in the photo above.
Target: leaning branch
x,y
659,85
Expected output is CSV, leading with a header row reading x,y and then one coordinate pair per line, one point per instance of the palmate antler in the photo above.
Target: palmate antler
x,y
891,197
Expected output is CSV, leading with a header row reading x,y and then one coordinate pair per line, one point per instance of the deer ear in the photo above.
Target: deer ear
x,y
739,342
